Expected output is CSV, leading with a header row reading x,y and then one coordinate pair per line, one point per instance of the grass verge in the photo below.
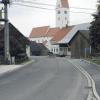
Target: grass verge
x,y
96,61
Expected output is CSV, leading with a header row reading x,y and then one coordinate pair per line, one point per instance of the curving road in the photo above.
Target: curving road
x,y
47,79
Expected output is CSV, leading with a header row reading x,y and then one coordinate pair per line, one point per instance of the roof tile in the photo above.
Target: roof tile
x,y
39,32
60,34
65,3
52,32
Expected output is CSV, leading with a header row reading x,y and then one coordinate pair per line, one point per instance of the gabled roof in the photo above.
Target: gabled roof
x,y
71,34
65,3
44,31
39,32
85,33
61,34
18,41
52,31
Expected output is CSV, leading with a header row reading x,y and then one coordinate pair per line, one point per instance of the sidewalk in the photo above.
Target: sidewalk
x,y
4,69
93,70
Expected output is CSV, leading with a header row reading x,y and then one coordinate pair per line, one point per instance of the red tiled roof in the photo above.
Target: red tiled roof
x,y
43,31
52,31
60,34
39,32
65,3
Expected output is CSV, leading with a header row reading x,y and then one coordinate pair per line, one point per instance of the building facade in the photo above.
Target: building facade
x,y
80,45
62,13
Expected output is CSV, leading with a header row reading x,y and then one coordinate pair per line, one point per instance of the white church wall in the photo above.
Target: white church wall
x,y
48,44
62,17
39,39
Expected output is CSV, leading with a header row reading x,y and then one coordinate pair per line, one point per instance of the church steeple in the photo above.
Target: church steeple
x,y
62,13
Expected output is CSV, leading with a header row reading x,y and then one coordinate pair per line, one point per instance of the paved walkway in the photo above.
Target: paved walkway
x,y
93,70
9,68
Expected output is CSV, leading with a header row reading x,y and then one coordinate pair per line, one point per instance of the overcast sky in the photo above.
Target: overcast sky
x,y
25,18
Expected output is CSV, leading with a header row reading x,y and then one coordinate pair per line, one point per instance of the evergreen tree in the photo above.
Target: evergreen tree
x,y
95,31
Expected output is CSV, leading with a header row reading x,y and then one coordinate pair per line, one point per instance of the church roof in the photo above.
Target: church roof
x,y
52,31
65,3
39,32
61,34
44,31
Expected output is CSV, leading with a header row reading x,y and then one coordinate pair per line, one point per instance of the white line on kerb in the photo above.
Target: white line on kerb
x,y
92,95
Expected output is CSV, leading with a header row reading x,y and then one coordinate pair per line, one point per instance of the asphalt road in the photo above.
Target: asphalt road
x,y
46,79
93,70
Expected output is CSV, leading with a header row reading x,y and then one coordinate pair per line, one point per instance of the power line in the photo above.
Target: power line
x,y
81,12
83,8
30,2
47,8
32,6
37,3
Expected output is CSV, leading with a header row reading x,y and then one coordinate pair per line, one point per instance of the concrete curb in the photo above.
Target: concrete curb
x,y
93,95
17,68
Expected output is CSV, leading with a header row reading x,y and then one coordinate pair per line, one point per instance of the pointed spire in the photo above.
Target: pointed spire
x,y
65,3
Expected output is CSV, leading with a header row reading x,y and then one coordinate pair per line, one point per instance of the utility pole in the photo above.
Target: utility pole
x,y
6,32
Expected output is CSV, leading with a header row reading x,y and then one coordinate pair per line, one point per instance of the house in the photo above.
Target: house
x,y
57,48
80,44
38,49
76,37
19,44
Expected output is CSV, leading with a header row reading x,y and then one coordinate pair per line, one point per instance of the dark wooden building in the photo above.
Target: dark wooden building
x,y
38,49
79,44
18,42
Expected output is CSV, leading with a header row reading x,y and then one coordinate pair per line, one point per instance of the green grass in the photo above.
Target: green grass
x,y
97,61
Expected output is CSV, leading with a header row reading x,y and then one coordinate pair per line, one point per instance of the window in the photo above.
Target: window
x,y
58,12
68,49
65,18
56,50
60,49
58,18
65,12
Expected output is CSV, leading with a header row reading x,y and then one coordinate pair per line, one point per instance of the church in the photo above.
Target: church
x,y
58,39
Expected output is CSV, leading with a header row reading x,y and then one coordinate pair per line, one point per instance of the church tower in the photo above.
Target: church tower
x,y
62,13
